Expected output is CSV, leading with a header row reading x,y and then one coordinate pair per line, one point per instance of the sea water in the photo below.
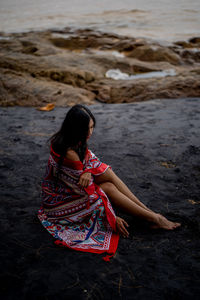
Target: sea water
x,y
166,20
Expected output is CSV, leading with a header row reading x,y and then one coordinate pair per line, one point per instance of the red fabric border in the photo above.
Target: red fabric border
x,y
109,253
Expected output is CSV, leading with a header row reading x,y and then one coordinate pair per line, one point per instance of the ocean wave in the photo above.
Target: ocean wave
x,y
118,75
120,12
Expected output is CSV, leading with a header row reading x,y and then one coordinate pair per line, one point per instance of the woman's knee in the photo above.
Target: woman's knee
x,y
106,177
107,187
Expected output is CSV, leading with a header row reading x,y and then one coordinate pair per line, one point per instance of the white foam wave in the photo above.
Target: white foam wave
x,y
118,75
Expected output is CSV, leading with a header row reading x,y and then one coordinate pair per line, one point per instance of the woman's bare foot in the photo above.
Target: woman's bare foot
x,y
163,223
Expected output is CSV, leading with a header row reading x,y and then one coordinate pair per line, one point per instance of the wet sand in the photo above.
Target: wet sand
x,y
154,147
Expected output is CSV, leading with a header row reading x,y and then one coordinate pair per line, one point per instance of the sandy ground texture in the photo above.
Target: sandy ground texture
x,y
154,147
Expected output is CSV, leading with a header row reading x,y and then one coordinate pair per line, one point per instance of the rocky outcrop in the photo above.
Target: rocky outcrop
x,y
140,90
66,67
25,90
155,53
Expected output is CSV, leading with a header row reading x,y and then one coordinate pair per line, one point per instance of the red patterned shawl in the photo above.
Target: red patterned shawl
x,y
79,218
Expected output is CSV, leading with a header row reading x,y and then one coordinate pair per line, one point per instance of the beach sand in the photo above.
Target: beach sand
x,y
154,147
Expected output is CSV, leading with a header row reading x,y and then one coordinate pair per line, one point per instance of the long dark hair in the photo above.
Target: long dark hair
x,y
73,132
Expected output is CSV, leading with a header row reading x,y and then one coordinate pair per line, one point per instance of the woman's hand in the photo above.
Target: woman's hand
x,y
85,179
121,227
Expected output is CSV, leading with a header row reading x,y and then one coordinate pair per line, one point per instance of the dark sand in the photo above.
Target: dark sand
x,y
154,147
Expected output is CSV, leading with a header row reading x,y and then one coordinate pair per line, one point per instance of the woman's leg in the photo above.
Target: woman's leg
x,y
123,202
110,176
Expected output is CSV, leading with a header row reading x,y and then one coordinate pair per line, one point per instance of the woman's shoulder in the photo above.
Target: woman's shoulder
x,y
72,155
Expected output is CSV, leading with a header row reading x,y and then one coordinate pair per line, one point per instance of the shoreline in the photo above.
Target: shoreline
x,y
153,39
138,19
75,29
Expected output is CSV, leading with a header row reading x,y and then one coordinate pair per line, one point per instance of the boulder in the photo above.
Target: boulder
x,y
155,53
24,90
184,44
195,40
126,91
191,55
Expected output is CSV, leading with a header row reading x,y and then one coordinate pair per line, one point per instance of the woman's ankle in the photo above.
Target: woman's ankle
x,y
154,217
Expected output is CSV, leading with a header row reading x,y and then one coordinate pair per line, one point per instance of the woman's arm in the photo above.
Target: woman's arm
x,y
85,177
72,155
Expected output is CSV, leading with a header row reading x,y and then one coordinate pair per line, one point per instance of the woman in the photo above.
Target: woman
x,y
77,190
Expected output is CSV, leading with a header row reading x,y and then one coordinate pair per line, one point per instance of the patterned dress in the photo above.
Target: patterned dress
x,y
79,218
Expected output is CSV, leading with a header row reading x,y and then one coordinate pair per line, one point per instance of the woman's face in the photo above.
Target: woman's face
x,y
91,128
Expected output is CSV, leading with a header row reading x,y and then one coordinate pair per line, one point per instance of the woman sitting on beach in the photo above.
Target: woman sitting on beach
x,y
78,190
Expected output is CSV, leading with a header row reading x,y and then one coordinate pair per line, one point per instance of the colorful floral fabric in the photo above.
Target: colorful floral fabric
x,y
79,218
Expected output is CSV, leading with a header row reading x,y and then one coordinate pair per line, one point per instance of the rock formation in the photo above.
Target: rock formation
x,y
67,67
